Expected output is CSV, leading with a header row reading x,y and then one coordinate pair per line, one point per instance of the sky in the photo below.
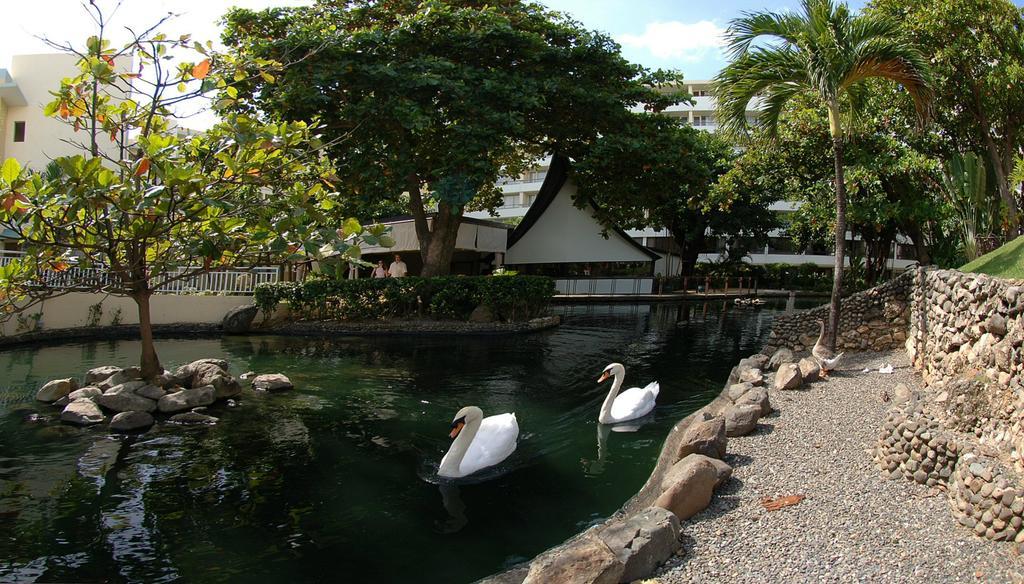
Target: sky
x,y
671,34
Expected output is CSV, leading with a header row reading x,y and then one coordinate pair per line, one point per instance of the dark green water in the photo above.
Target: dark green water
x,y
336,481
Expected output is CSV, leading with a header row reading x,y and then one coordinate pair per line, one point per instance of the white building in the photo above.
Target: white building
x,y
522,191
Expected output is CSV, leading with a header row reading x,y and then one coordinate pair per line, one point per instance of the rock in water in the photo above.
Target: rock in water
x,y
56,389
741,420
126,387
193,418
126,402
788,376
150,392
99,374
131,421
185,373
643,541
737,390
82,412
224,385
186,399
695,480
84,393
271,382
238,320
809,370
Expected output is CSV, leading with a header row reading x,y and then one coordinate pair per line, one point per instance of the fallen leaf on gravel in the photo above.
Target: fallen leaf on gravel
x,y
776,504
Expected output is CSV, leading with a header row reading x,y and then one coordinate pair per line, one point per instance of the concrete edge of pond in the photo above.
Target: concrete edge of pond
x,y
643,499
310,329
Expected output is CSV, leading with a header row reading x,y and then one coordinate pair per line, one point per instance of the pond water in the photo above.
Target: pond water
x,y
336,481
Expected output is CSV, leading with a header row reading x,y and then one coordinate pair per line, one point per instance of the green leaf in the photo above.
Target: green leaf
x,y
10,170
350,228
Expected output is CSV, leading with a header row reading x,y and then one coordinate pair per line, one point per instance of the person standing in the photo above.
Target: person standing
x,y
380,271
398,268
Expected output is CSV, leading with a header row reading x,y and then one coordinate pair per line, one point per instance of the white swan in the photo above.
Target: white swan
x,y
633,403
479,442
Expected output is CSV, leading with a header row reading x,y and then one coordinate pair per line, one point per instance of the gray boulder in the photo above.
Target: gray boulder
x,y
481,313
741,420
150,392
758,397
672,476
126,387
82,413
901,394
114,380
99,374
587,559
224,385
238,320
185,373
126,402
781,356
186,399
736,390
809,370
706,435
788,376
271,382
643,541
84,393
693,483
52,391
751,376
131,421
755,361
193,419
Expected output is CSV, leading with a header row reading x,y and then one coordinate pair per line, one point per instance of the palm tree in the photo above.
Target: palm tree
x,y
829,53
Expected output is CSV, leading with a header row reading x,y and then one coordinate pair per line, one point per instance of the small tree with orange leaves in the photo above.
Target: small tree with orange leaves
x,y
166,206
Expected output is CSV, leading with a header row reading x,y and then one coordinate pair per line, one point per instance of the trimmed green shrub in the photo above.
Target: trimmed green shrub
x,y
510,298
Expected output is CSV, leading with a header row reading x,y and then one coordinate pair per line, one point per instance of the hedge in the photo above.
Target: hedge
x,y
509,298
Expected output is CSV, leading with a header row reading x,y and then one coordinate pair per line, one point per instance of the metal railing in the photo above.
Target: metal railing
x,y
234,281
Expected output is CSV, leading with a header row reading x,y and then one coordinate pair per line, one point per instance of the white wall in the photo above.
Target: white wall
x,y
564,233
72,310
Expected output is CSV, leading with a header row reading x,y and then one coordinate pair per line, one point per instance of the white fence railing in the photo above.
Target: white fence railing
x,y
236,281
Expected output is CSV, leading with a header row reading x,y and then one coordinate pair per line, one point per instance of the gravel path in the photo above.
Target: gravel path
x,y
853,526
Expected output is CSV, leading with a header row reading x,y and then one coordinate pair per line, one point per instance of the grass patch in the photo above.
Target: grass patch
x,y
1004,262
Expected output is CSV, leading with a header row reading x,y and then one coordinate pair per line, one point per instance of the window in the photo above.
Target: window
x,y
700,121
511,200
530,198
19,131
701,93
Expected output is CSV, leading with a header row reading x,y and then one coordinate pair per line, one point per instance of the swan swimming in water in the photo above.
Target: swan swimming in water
x,y
631,404
479,442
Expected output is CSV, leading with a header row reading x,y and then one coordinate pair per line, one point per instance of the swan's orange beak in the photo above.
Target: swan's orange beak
x,y
456,428
603,377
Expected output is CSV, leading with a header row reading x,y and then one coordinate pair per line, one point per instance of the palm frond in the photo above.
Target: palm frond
x,y
743,31
750,76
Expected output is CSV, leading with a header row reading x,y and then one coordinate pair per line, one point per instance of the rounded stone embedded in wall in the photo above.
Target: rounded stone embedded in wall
x,y
915,446
987,496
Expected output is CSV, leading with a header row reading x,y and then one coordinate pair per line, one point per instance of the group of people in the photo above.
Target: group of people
x,y
397,269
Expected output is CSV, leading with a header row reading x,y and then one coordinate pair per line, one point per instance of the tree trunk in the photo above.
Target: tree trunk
x,y
690,245
840,264
149,362
440,245
916,235
998,161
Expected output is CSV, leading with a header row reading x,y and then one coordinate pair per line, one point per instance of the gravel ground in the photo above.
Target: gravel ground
x,y
853,526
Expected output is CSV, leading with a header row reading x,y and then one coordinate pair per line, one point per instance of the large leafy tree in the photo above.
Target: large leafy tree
x,y
827,52
160,206
976,51
659,173
440,99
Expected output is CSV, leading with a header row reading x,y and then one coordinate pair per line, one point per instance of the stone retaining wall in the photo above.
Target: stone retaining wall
x,y
966,337
874,319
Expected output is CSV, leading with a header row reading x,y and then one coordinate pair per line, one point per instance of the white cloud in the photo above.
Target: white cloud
x,y
686,41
